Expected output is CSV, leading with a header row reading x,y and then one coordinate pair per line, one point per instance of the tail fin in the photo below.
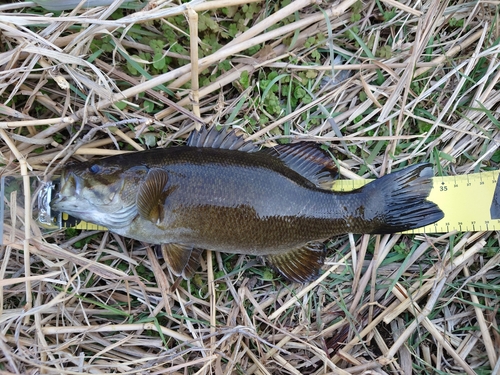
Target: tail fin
x,y
398,201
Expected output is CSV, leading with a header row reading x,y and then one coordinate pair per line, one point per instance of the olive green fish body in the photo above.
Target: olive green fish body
x,y
240,200
241,203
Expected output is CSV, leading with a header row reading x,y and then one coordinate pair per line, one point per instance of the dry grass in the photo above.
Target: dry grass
x,y
422,86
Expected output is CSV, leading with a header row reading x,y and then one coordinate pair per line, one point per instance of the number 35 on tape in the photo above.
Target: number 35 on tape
x,y
470,202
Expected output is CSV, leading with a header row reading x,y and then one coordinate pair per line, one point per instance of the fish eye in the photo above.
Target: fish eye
x,y
94,168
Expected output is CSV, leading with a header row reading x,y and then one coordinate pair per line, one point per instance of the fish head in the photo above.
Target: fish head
x,y
103,193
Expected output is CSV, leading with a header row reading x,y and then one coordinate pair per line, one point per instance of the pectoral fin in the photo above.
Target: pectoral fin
x,y
300,265
183,260
151,195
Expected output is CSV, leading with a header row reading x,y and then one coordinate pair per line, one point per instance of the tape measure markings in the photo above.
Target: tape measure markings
x,y
470,203
466,201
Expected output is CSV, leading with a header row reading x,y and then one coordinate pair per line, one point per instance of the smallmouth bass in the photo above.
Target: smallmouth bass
x,y
222,193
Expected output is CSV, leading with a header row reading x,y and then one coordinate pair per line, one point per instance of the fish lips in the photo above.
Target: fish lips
x,y
68,204
68,198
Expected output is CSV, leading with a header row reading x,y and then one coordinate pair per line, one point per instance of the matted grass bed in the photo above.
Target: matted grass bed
x,y
382,83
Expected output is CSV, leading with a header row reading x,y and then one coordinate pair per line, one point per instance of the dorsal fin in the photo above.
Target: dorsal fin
x,y
224,138
308,160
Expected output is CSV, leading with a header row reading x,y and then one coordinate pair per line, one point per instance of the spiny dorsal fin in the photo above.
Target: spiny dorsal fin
x,y
224,138
183,260
300,265
151,195
308,160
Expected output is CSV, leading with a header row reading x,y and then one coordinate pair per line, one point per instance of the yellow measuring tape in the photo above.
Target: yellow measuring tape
x,y
468,202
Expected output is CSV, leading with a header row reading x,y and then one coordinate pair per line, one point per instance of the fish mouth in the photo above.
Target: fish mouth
x,y
68,199
91,204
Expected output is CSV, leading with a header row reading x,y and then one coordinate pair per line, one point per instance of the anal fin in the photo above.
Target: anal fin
x,y
183,260
300,265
